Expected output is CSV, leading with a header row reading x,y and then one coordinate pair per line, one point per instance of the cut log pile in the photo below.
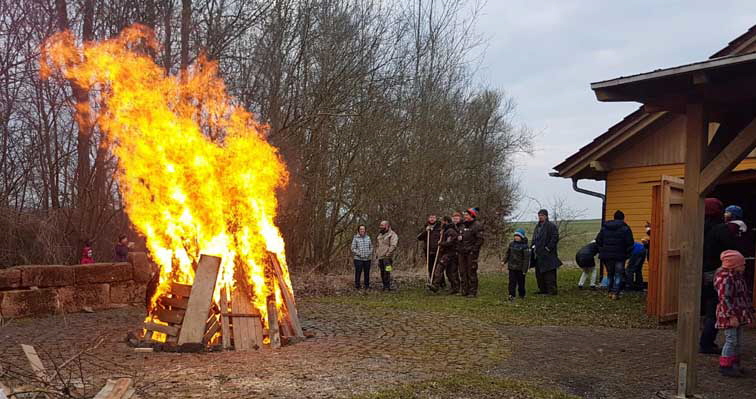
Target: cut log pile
x,y
186,318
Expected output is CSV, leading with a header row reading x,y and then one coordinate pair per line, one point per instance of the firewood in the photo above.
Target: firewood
x,y
225,319
183,290
193,326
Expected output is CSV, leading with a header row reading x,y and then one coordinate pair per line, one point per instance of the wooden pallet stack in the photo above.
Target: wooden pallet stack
x,y
189,317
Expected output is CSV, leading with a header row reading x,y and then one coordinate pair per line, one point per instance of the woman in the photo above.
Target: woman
x,y
362,249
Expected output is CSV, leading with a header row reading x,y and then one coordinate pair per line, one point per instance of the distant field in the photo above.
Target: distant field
x,y
578,233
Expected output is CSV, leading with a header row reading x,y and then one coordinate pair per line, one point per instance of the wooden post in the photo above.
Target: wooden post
x,y
696,128
288,297
273,333
225,320
193,326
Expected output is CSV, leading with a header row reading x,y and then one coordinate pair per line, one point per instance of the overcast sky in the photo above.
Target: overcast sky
x,y
545,54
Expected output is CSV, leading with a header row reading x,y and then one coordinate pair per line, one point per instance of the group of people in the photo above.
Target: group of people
x,y
120,252
725,299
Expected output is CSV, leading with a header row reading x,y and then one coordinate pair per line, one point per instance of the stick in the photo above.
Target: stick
x,y
435,261
427,255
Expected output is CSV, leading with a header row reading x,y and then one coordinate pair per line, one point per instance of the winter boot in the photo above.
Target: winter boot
x,y
726,368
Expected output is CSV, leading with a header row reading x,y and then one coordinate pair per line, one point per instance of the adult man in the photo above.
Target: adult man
x,y
717,239
448,258
387,242
430,237
615,241
545,254
470,241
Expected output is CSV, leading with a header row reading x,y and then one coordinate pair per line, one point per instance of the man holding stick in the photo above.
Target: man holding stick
x,y
448,257
430,235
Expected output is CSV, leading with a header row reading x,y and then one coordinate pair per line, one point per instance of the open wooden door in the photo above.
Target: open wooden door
x,y
666,238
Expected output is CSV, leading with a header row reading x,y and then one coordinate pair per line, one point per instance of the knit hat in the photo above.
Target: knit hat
x,y
619,215
713,207
520,232
473,212
543,212
735,211
733,260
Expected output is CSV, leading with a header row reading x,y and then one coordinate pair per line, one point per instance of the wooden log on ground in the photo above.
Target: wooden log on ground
x,y
273,334
183,290
193,326
225,320
288,297
116,389
167,330
247,330
174,303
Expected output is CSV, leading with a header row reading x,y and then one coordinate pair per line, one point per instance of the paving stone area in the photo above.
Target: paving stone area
x,y
355,351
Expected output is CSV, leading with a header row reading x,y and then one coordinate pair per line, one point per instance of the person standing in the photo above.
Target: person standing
x,y
734,310
470,241
362,250
122,249
586,261
448,258
430,237
518,261
615,242
545,254
717,239
87,255
387,243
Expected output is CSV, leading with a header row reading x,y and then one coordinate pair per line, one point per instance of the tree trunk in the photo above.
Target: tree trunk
x,y
186,21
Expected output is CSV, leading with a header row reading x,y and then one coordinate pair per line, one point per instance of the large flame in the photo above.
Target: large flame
x,y
195,171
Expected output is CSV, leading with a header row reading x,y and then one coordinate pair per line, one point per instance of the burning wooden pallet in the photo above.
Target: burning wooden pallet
x,y
190,320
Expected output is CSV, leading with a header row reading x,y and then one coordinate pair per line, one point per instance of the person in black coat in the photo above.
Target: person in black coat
x,y
586,260
615,241
545,254
430,236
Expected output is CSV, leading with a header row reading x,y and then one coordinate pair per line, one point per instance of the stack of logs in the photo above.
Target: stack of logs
x,y
192,321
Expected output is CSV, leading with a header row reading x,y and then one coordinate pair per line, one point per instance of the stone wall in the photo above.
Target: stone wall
x,y
48,289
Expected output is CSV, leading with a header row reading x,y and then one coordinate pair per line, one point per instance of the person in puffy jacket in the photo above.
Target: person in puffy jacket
x,y
517,260
615,242
734,310
586,260
634,273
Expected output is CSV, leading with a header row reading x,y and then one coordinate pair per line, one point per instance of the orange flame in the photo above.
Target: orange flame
x,y
195,170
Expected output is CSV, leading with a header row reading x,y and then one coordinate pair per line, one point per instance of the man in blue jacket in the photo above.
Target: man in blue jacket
x,y
615,241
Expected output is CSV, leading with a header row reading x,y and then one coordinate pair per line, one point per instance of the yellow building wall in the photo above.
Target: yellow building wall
x,y
629,190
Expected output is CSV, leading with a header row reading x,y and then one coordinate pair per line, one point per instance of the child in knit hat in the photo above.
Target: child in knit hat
x,y
734,310
518,261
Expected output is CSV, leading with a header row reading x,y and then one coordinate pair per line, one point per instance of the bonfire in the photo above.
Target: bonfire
x,y
198,180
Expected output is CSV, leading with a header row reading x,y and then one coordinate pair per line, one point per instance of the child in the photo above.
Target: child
x,y
634,272
734,310
87,255
518,261
585,259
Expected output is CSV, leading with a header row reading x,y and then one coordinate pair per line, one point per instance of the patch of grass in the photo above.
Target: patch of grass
x,y
572,307
469,386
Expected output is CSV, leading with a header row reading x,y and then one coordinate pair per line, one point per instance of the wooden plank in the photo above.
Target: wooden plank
x,y
244,329
273,333
183,290
288,297
167,330
36,363
225,320
116,389
736,151
690,277
169,316
174,303
193,326
214,327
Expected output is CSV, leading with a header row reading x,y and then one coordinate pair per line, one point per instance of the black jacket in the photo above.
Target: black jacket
x,y
472,237
435,235
545,242
449,242
717,239
518,256
586,256
615,241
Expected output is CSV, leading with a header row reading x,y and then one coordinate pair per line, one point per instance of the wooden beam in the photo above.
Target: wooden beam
x,y
273,334
116,389
736,151
225,320
193,326
696,129
288,297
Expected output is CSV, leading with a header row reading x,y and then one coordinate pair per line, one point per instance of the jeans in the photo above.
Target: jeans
x,y
516,283
733,340
385,276
360,267
584,276
615,270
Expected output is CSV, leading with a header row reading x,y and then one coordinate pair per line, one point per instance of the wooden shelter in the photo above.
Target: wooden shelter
x,y
695,127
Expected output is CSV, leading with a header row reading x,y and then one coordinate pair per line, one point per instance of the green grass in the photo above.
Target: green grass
x,y
577,233
572,307
469,386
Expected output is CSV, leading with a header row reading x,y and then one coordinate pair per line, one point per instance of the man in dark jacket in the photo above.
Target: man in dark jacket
x,y
448,258
545,254
615,241
429,237
470,241
717,239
